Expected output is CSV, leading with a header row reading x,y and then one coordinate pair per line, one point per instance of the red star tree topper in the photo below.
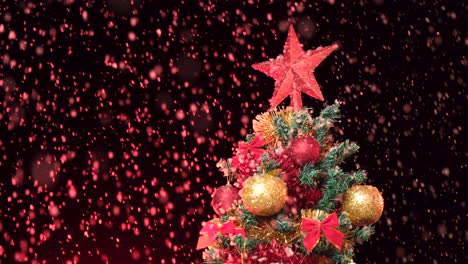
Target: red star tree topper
x,y
294,71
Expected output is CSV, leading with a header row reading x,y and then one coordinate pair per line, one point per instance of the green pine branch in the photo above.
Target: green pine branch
x,y
344,221
330,190
331,112
224,242
324,122
249,138
268,164
248,219
338,154
364,233
225,218
282,129
309,174
283,226
301,122
244,244
359,176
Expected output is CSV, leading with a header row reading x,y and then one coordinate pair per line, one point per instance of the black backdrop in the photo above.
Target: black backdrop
x,y
114,113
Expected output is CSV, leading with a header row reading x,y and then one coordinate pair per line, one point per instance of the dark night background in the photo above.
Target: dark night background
x,y
114,113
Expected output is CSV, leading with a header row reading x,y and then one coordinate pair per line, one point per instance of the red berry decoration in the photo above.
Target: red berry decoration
x,y
223,198
304,149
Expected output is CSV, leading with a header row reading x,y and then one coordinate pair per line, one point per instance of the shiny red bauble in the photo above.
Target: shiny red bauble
x,y
223,198
304,149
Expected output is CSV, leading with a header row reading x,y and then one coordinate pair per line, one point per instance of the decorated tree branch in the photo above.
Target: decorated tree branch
x,y
287,200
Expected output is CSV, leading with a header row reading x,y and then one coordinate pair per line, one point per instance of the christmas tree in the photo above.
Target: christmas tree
x,y
287,200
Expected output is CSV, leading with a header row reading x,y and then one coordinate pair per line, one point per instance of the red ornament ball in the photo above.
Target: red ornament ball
x,y
304,149
223,198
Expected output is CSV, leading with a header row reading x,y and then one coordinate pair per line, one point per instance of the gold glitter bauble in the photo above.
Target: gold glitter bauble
x,y
364,204
264,194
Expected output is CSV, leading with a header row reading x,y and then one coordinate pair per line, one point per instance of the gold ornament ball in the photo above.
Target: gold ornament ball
x,y
264,194
364,204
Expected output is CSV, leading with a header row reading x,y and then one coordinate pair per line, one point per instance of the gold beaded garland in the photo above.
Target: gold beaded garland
x,y
364,204
264,194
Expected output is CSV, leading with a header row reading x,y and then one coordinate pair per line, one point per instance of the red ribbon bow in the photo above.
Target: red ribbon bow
x,y
254,147
328,226
211,230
